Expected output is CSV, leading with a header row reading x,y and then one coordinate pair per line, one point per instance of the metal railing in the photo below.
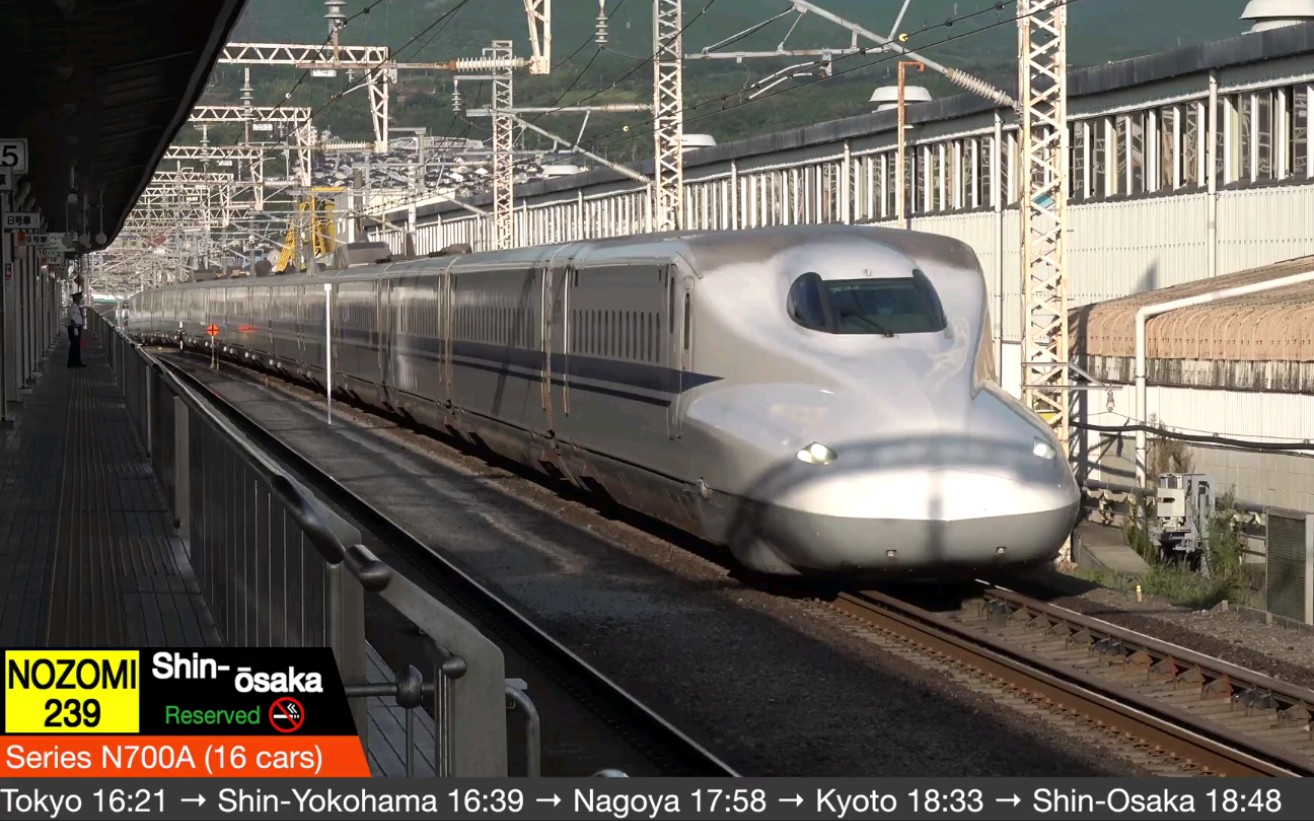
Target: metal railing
x,y
1117,505
278,568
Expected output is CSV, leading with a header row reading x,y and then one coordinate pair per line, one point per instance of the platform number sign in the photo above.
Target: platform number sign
x,y
13,155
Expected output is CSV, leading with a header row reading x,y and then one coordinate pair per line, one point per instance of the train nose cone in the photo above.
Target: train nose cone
x,y
908,506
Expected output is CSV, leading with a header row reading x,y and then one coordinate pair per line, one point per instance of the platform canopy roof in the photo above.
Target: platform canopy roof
x,y
101,87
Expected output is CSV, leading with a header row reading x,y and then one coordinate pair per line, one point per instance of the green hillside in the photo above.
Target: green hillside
x,y
981,38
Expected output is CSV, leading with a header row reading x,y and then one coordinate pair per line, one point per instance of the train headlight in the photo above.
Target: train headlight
x,y
1043,449
816,454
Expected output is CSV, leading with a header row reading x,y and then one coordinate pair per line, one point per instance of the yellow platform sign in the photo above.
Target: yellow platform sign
x,y
72,691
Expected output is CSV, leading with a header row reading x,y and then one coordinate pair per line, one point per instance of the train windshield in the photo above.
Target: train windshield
x,y
887,307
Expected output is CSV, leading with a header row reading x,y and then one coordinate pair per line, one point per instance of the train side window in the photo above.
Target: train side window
x,y
688,320
671,306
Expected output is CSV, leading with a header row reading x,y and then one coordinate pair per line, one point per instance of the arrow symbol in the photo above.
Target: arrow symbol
x,y
554,800
1014,800
198,800
797,800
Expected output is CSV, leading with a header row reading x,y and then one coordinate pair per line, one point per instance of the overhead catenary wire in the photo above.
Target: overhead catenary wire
x,y
1216,440
595,145
556,106
287,95
442,20
645,62
582,71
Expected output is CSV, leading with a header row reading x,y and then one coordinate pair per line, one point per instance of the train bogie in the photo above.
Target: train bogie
x,y
818,399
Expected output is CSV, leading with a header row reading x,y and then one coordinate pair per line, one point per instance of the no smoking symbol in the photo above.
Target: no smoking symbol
x,y
286,715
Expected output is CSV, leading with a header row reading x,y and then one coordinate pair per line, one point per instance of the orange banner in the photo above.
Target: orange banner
x,y
132,756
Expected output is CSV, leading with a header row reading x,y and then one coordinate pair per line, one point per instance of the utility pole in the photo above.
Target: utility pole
x,y
668,117
1043,72
901,173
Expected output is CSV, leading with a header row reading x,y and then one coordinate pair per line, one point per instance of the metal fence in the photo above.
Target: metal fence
x,y
1278,543
1289,575
278,568
1117,505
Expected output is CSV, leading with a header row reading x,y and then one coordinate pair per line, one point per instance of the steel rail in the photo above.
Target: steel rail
x,y
669,747
1213,748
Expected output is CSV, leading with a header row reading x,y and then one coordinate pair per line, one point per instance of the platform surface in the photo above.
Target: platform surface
x,y
88,552
89,555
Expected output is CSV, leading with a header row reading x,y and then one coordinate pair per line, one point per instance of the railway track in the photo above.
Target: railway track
x,y
1170,710
668,750
1179,711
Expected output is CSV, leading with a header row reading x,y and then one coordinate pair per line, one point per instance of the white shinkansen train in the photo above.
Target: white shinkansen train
x,y
820,399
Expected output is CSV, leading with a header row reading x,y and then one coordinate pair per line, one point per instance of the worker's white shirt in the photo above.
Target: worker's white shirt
x,y
75,315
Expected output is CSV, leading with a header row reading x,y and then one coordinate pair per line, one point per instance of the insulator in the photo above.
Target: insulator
x,y
487,63
600,34
976,86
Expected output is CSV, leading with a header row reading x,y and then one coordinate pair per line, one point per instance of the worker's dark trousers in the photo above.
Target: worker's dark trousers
x,y
74,347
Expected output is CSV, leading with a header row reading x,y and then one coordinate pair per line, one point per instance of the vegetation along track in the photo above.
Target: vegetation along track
x,y
669,750
1182,711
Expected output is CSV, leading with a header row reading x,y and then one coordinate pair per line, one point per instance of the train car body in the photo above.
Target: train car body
x,y
821,399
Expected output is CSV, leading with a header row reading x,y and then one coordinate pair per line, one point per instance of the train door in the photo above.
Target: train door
x,y
680,326
382,336
446,297
266,320
299,295
558,278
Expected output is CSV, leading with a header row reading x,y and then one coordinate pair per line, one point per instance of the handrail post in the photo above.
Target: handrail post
x,y
346,603
328,350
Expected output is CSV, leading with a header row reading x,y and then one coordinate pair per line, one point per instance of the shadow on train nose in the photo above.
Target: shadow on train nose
x,y
940,476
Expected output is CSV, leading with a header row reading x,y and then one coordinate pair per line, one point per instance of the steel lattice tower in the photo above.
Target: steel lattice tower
x,y
668,117
503,148
1042,39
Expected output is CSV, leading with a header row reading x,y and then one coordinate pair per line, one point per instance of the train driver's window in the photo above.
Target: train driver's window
x,y
884,306
806,303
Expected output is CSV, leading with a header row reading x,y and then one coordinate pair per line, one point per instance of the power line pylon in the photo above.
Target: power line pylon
x,y
539,13
1043,89
504,197
668,119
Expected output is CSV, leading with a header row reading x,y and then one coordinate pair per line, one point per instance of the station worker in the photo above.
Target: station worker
x,y
76,325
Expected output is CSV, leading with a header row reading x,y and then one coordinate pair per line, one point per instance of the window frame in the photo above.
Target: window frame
x,y
822,305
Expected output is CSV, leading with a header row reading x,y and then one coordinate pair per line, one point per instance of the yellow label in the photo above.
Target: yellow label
x,y
72,691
